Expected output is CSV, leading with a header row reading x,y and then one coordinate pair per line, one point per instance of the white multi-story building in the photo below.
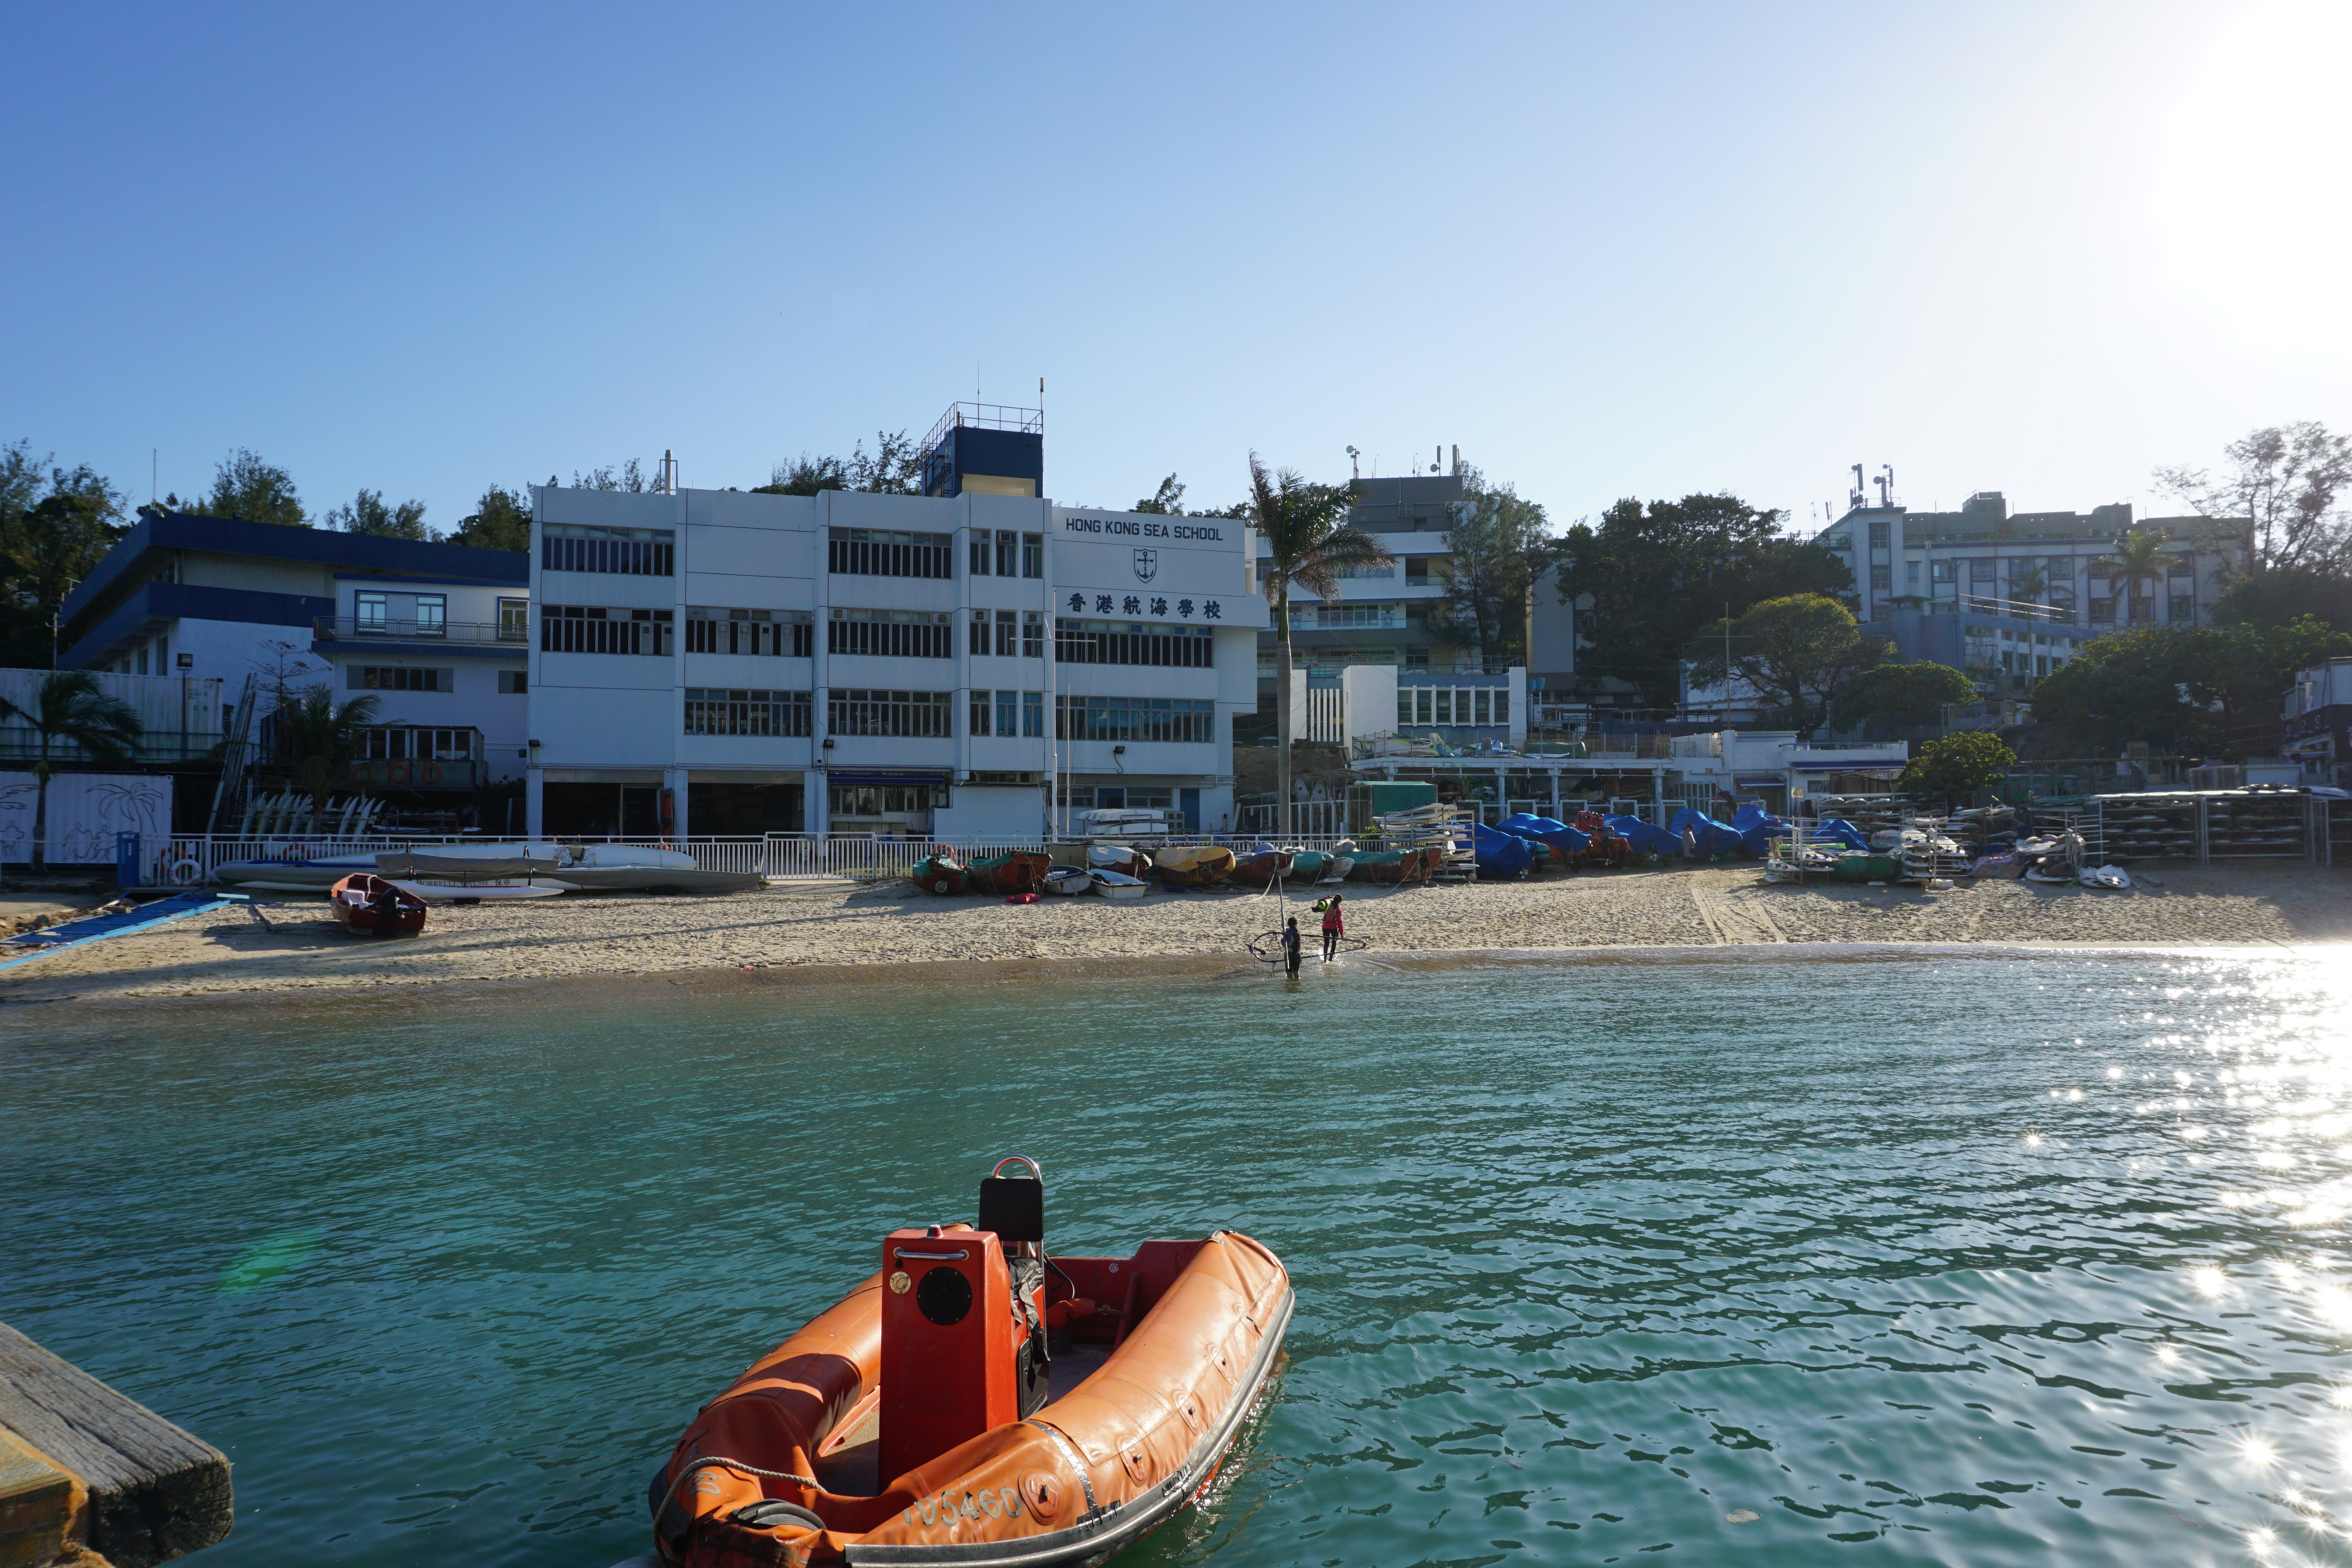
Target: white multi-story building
x,y
946,666
447,661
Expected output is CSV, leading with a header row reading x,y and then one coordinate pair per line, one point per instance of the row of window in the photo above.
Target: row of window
x,y
403,678
628,552
2182,607
592,629
780,634
889,552
928,715
890,634
1007,553
389,744
1453,705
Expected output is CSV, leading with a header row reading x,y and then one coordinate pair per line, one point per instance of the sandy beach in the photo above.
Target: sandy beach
x,y
229,952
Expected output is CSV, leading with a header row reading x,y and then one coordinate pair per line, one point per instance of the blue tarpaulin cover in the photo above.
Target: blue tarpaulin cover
x,y
1499,854
1647,839
1709,837
1568,841
1756,827
1838,831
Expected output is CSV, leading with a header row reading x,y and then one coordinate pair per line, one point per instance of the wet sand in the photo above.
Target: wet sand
x,y
228,952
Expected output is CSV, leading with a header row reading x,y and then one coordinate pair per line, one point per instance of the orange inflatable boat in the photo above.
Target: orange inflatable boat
x,y
977,1402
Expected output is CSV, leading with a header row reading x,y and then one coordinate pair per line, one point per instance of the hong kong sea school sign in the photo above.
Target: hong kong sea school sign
x,y
1145,528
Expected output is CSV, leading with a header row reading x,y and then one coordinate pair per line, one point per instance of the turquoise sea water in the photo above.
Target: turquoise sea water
x,y
1977,1260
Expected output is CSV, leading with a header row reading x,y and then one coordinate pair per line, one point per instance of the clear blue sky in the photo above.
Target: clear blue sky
x,y
1606,250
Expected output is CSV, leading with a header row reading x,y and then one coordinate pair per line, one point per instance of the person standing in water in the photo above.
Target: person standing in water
x,y
1290,945
1334,926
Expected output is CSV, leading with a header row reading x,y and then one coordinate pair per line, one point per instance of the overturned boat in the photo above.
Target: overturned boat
x,y
583,867
1194,864
1017,871
940,874
978,1402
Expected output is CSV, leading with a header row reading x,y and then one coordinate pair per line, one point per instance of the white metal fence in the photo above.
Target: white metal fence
x,y
189,859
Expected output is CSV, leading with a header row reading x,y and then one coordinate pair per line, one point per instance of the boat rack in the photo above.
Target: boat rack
x,y
2206,826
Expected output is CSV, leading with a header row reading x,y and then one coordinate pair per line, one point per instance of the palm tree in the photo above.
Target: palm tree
x,y
70,705
1309,542
322,740
2139,557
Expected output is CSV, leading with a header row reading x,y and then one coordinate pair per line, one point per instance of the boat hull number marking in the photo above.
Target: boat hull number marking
x,y
996,1502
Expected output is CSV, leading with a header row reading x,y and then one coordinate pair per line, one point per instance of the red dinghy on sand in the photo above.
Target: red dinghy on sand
x,y
367,902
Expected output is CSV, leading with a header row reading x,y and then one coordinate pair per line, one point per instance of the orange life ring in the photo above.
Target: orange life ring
x,y
432,773
395,773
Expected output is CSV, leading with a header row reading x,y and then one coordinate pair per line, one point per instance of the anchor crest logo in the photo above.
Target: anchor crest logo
x,y
1147,565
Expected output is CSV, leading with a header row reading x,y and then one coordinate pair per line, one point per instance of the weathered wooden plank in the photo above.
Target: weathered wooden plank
x,y
155,1492
38,1505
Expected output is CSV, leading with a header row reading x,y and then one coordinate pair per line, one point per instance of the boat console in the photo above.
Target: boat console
x,y
963,1342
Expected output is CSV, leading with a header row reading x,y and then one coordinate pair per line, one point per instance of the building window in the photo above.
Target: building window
x,y
432,615
979,634
1878,535
1939,576
714,711
890,634
1008,544
1882,579
514,683
1033,634
400,678
978,724
980,559
2103,608
1008,634
1032,715
2143,608
1008,715
923,715
593,629
882,800
1033,555
884,552
374,613
1113,642
623,551
2184,607
399,743
1172,719
772,634
514,620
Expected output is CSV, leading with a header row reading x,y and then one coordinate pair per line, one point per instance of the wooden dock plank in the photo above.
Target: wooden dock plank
x,y
155,1492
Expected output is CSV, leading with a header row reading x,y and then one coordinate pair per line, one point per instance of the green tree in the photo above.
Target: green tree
x,y
1308,542
1497,546
1793,652
69,705
1902,695
499,521
2287,593
246,487
320,738
805,476
2284,480
1949,769
369,514
2239,673
895,466
630,477
2139,557
1168,500
56,524
1647,580
2190,688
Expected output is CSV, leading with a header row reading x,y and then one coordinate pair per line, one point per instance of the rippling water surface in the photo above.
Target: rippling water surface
x,y
1983,1260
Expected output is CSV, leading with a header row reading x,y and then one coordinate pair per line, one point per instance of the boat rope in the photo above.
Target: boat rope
x,y
715,1462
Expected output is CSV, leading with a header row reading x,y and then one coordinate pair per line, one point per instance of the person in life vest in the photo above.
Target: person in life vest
x,y
1290,945
1333,926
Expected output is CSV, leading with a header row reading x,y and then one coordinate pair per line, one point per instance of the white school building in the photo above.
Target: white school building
x,y
939,666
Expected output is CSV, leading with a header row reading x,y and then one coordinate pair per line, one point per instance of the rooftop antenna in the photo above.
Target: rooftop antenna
x,y
666,479
1355,470
1855,499
1457,461
1436,458
1886,485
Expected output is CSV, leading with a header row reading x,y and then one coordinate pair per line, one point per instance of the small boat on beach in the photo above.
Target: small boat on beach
x,y
1068,879
977,1402
941,874
1390,866
1120,858
376,906
1261,867
1119,884
470,878
1016,871
1194,864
